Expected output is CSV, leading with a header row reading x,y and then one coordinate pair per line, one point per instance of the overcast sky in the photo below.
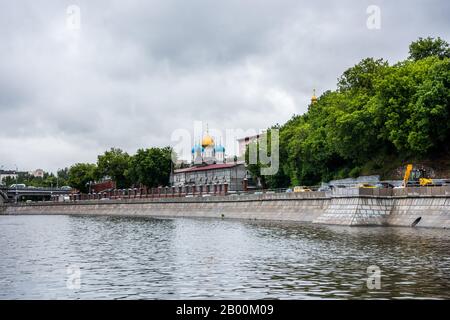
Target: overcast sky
x,y
138,70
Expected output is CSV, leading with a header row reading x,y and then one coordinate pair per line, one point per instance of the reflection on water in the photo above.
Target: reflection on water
x,y
144,258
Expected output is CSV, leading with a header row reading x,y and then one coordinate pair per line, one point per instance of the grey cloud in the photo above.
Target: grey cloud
x,y
138,70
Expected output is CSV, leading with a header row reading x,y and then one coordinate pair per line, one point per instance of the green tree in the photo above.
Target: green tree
x,y
63,175
49,180
428,47
276,180
414,106
114,164
7,181
151,167
379,114
80,175
363,75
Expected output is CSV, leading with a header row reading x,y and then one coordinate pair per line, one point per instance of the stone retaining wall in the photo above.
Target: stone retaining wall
x,y
433,212
356,211
360,208
430,211
306,209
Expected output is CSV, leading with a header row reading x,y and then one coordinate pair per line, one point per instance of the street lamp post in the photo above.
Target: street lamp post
x,y
89,184
17,181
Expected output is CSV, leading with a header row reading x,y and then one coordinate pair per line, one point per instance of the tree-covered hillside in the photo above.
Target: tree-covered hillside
x,y
380,116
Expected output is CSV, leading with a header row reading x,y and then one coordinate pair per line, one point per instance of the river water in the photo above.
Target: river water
x,y
80,257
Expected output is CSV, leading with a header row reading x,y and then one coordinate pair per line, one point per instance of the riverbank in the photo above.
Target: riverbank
x,y
423,207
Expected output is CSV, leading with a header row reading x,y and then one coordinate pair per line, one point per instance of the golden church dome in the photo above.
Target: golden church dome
x,y
314,98
207,141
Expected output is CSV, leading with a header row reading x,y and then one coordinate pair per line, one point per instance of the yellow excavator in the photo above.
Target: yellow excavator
x,y
416,177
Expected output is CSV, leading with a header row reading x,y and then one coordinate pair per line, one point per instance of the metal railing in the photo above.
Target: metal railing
x,y
172,193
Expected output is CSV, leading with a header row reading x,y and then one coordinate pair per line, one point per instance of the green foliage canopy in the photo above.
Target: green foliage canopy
x,y
429,47
378,112
80,175
151,167
114,164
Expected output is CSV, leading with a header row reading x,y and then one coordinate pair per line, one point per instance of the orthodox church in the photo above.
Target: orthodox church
x,y
209,169
207,152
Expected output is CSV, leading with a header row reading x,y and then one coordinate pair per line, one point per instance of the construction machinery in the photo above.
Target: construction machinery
x,y
415,177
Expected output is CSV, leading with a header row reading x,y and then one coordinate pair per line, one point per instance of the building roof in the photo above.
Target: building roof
x,y
196,148
8,172
220,148
208,167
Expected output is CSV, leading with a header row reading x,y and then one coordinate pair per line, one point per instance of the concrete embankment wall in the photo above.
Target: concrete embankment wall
x,y
432,212
353,207
268,207
356,211
429,212
428,207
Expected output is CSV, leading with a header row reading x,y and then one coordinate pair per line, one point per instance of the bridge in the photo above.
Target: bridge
x,y
14,194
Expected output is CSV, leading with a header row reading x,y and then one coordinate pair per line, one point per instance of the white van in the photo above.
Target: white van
x,y
18,186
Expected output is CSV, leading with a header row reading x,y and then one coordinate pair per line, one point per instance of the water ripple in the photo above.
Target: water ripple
x,y
144,258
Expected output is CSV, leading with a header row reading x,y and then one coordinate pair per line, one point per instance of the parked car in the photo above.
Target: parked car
x,y
66,188
324,189
367,186
385,185
301,189
288,190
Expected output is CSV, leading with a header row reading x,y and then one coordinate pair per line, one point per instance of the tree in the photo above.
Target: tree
x,y
7,181
264,152
151,167
428,47
362,75
80,175
49,180
63,175
114,164
414,106
378,115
